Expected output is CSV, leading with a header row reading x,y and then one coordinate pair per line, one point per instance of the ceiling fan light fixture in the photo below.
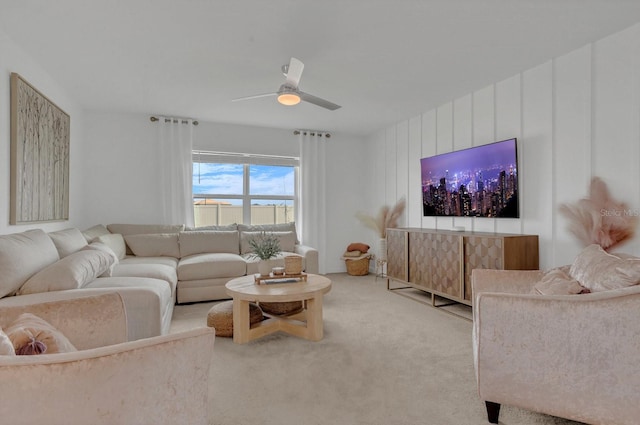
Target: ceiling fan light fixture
x,y
288,98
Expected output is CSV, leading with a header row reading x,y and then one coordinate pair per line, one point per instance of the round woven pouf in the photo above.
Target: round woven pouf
x,y
278,308
220,317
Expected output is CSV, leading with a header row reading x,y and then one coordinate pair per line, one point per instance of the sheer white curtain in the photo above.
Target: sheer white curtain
x,y
312,194
175,143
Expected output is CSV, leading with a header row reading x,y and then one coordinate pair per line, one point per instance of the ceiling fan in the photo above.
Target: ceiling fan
x,y
288,93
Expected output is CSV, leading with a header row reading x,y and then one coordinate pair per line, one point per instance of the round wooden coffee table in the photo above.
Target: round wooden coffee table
x,y
305,324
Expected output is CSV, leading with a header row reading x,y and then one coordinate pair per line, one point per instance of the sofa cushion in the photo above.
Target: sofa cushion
x,y
211,265
22,255
598,270
209,241
155,271
73,271
94,232
233,226
287,241
167,261
115,241
68,241
144,229
280,227
28,328
154,245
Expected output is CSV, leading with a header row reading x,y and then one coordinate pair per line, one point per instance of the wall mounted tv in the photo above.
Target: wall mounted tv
x,y
477,182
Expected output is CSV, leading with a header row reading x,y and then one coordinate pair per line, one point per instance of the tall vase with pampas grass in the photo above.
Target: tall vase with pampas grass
x,y
387,218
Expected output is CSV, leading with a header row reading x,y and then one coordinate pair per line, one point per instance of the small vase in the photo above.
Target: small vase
x,y
264,267
382,249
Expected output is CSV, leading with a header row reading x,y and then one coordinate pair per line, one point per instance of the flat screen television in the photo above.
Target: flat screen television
x,y
477,182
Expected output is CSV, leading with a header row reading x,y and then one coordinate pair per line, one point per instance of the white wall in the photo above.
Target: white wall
x,y
14,59
120,171
575,117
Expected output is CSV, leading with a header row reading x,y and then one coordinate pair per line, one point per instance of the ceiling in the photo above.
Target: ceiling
x,y
382,60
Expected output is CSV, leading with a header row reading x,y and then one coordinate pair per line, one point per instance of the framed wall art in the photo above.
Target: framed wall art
x,y
40,138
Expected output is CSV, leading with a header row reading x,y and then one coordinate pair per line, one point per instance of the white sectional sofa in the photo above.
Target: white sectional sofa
x,y
151,266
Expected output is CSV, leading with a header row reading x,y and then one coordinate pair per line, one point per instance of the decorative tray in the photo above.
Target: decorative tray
x,y
282,278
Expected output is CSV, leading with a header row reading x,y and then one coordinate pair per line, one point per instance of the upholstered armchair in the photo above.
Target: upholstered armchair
x,y
159,380
572,356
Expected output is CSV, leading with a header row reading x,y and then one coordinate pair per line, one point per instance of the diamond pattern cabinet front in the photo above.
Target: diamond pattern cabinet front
x,y
397,255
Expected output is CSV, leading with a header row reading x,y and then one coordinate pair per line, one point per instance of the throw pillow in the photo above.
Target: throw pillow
x,y
154,245
30,334
21,256
115,241
598,270
558,282
280,227
99,246
94,232
6,347
72,272
358,246
68,241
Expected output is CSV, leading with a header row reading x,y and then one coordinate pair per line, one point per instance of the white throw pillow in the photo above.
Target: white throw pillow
x,y
94,232
105,248
22,255
154,245
68,241
598,270
6,347
73,271
115,241
280,227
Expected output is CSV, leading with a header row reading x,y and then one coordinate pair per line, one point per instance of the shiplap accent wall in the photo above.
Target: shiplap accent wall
x,y
575,117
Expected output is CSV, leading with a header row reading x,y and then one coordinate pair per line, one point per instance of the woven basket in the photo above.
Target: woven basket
x,y
220,317
293,264
358,267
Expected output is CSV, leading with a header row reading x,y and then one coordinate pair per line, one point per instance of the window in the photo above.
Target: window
x,y
238,188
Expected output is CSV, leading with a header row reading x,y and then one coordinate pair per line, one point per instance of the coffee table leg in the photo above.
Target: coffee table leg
x,y
241,324
315,327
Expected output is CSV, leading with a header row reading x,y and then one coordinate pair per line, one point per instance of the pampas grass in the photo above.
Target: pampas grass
x,y
600,219
387,217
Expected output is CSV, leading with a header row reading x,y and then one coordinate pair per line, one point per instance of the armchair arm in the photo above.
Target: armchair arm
x,y
310,258
159,380
507,281
87,321
573,356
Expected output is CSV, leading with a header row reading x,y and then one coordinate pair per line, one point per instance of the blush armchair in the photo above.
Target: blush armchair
x,y
572,356
158,380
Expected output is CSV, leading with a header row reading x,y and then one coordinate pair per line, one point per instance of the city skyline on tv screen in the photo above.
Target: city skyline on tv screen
x,y
477,182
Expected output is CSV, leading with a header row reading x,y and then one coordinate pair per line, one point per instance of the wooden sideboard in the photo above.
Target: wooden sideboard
x,y
440,261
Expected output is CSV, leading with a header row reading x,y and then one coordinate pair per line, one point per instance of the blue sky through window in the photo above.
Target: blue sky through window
x,y
226,179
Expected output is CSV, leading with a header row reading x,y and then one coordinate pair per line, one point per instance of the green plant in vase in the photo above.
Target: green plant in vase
x,y
265,247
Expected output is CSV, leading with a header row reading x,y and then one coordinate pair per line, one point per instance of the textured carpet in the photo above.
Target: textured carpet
x,y
384,360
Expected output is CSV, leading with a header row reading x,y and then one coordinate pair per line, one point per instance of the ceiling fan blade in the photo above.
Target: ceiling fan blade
x,y
318,101
294,72
254,96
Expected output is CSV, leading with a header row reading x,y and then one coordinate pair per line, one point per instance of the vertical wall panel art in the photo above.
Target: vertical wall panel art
x,y
39,156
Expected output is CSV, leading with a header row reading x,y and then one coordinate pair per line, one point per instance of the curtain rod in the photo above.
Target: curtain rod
x,y
174,120
312,133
